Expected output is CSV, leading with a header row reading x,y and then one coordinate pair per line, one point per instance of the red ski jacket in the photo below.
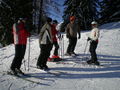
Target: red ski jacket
x,y
20,33
54,33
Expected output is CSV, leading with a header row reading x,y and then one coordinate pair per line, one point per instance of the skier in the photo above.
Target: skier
x,y
55,56
20,34
71,33
93,38
45,41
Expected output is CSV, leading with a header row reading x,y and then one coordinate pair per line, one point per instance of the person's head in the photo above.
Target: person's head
x,y
94,24
72,18
55,22
49,20
22,20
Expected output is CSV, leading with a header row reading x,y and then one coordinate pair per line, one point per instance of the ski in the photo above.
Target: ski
x,y
65,62
37,77
89,65
55,59
24,77
55,73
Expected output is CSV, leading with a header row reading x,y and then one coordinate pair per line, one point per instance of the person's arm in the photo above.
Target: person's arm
x,y
42,32
79,31
67,31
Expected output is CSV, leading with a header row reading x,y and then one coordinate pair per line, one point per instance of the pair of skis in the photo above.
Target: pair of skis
x,y
31,78
78,63
28,77
25,77
52,72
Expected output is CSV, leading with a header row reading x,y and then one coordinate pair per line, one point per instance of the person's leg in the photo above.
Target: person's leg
x,y
41,56
69,46
56,48
22,53
47,54
16,58
74,42
93,46
44,55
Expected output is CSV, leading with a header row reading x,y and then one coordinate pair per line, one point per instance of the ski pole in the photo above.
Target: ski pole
x,y
60,46
24,64
83,53
85,49
63,46
24,61
29,54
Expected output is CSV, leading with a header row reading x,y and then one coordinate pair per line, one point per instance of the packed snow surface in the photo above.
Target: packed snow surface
x,y
74,74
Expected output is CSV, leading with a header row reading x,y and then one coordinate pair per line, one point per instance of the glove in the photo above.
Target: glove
x,y
59,36
68,36
88,39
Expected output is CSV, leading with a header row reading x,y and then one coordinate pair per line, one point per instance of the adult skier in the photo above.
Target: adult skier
x,y
71,33
20,34
93,38
46,42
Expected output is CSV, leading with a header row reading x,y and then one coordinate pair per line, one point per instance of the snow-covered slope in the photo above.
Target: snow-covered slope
x,y
75,75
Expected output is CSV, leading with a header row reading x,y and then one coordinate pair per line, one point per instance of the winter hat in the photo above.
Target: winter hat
x,y
49,19
22,19
93,22
72,18
55,22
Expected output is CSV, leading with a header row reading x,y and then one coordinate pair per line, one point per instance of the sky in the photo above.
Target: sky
x,y
58,16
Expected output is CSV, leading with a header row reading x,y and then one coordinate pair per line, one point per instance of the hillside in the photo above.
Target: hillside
x,y
74,74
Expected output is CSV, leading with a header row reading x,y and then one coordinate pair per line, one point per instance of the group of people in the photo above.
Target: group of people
x,y
48,39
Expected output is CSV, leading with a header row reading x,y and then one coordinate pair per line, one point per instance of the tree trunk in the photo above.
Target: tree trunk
x,y
40,15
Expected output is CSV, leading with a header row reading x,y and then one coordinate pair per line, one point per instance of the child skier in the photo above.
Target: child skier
x,y
93,38
55,57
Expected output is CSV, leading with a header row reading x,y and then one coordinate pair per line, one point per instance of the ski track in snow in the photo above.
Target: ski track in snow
x,y
75,75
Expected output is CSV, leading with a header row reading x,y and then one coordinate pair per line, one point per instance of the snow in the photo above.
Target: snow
x,y
76,75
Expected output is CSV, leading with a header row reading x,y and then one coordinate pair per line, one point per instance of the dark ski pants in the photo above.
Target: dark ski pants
x,y
55,43
72,44
19,55
93,46
44,54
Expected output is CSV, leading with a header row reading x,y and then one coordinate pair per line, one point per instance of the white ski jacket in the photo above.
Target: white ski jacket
x,y
94,34
45,35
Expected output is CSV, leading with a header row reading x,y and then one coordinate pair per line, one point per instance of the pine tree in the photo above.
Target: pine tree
x,y
11,10
110,10
84,10
42,9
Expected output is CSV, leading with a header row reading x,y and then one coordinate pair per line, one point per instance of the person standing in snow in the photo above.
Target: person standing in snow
x,y
55,56
71,33
20,34
93,38
46,42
